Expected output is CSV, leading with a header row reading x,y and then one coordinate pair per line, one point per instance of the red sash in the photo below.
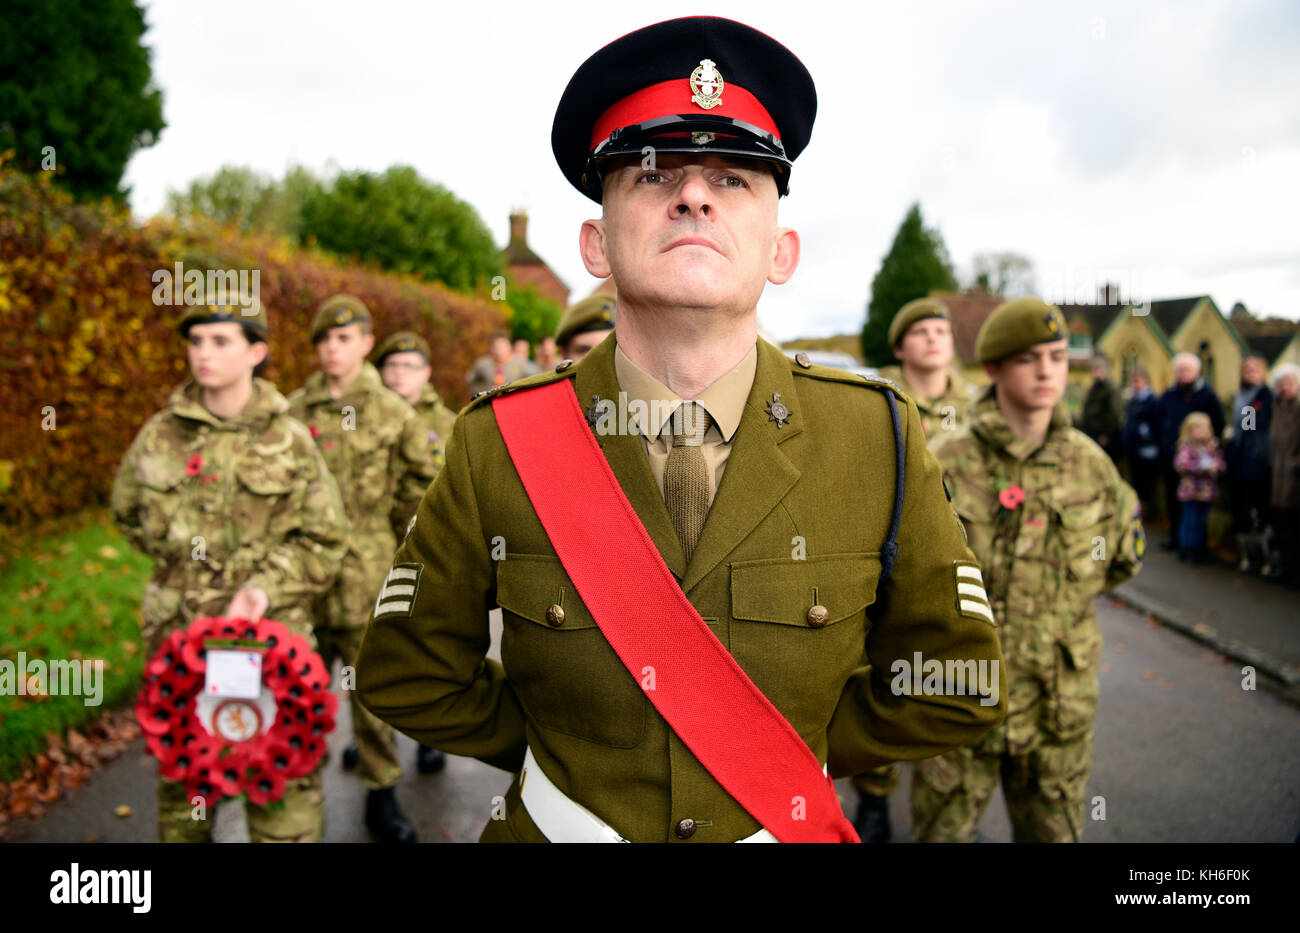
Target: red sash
x,y
724,719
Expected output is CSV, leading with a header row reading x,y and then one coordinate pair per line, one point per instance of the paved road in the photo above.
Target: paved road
x,y
1183,754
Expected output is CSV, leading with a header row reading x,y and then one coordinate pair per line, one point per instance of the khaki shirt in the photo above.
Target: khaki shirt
x,y
724,400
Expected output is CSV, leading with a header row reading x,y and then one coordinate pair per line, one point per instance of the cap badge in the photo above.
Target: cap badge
x,y
703,139
706,85
1053,325
776,410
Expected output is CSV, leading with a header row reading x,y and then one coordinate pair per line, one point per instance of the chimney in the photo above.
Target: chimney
x,y
519,227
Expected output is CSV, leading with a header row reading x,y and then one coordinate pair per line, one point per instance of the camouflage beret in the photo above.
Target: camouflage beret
x,y
404,341
1018,325
914,311
594,313
338,311
220,314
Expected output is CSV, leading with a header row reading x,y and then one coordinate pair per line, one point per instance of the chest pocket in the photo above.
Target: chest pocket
x,y
798,629
565,673
1080,543
369,453
162,490
265,487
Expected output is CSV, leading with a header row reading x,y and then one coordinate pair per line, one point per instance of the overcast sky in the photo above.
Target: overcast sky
x,y
1153,143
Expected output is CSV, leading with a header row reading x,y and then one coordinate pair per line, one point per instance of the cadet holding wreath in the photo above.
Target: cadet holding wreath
x,y
230,497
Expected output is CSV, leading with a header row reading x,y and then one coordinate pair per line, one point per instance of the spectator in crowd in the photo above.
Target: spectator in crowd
x,y
1102,415
1284,457
1141,435
1199,462
496,368
523,353
1189,393
1248,467
547,356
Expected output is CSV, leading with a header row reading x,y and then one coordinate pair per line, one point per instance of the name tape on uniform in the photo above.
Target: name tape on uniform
x,y
397,595
972,600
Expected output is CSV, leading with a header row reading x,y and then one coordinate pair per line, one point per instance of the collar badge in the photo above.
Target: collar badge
x,y
777,410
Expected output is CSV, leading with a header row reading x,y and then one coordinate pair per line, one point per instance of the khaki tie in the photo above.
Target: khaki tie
x,y
686,475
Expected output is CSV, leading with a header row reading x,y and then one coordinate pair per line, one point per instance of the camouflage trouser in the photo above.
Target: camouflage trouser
x,y
1044,789
377,764
299,816
878,782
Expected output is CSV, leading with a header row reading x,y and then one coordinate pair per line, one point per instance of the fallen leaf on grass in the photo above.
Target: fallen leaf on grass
x,y
108,552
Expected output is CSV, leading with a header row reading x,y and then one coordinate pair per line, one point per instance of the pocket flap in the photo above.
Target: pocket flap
x,y
783,591
528,585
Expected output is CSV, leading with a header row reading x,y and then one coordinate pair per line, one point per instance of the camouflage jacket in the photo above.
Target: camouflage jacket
x,y
1052,526
437,419
942,415
375,447
223,504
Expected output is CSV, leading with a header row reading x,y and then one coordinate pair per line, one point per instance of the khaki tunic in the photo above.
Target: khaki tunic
x,y
799,518
437,419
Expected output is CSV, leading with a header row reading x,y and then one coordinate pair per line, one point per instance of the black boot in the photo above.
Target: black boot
x,y
350,756
872,822
428,760
385,818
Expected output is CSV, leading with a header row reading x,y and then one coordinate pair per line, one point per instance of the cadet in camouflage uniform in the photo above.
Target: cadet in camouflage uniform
x,y
229,496
378,452
1053,526
403,361
921,335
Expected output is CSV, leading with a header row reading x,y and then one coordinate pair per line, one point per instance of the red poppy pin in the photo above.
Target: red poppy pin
x,y
315,431
195,466
1010,497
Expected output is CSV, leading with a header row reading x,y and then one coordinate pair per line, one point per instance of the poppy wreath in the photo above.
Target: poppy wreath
x,y
255,757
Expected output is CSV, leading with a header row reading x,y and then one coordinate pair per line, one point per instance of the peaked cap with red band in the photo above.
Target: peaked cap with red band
x,y
699,84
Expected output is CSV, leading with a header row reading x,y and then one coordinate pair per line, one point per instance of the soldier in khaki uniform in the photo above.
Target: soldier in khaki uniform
x,y
229,496
921,335
403,361
378,452
584,325
1053,526
767,523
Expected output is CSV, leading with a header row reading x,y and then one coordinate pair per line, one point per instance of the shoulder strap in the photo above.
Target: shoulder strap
x,y
889,550
712,705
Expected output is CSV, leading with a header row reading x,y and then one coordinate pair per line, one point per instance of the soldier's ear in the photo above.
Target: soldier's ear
x,y
992,369
786,257
591,242
260,352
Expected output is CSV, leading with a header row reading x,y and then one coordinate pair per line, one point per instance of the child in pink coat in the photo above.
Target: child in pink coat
x,y
1198,461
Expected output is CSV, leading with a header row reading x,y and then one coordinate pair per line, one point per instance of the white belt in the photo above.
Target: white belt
x,y
561,819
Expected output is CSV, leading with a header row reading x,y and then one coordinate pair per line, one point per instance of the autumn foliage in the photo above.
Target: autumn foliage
x,y
87,356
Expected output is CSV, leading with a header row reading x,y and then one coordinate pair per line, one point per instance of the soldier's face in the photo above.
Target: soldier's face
x,y
926,345
693,232
1032,380
220,355
342,350
1252,371
406,373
